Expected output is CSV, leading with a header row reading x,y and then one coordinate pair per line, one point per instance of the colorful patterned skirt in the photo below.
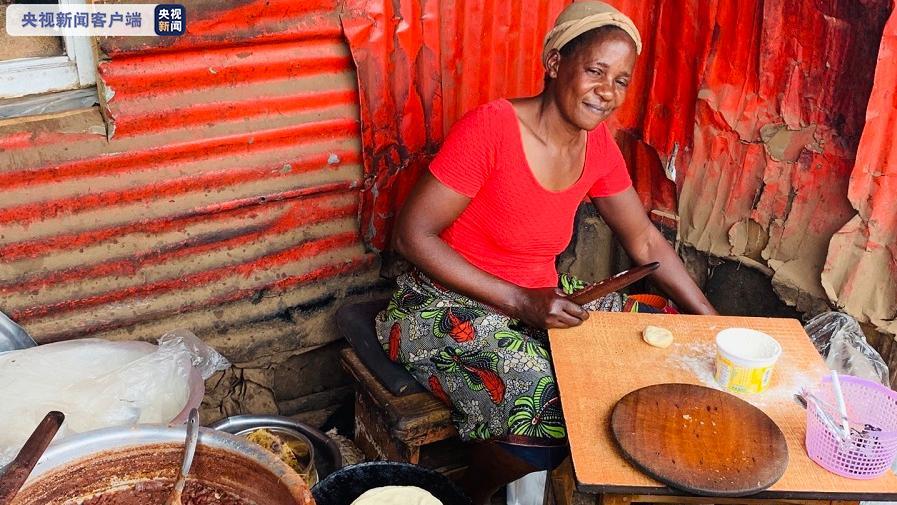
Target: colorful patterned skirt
x,y
493,371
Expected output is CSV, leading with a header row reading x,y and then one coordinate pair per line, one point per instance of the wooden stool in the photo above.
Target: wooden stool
x,y
415,428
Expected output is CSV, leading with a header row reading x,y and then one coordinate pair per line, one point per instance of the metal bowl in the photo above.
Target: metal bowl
x,y
290,437
327,455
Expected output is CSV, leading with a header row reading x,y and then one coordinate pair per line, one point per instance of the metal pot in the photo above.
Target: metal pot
x,y
97,461
12,336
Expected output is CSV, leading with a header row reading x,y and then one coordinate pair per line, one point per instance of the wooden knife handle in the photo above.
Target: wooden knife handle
x,y
17,472
611,284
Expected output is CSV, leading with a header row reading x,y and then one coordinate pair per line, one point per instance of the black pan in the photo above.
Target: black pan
x,y
346,484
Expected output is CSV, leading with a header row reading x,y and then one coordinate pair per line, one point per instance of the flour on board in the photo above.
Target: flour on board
x,y
699,359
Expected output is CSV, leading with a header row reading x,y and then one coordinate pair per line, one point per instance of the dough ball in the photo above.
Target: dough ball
x,y
657,336
396,495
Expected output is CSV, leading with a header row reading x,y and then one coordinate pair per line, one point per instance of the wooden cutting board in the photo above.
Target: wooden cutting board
x,y
700,440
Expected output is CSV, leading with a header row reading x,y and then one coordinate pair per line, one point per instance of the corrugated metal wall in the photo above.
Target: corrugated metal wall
x,y
226,200
777,123
758,106
860,271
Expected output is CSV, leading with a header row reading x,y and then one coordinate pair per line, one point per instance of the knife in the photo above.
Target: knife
x,y
611,284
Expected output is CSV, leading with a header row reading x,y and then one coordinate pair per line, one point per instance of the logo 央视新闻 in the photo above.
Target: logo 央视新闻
x,y
170,19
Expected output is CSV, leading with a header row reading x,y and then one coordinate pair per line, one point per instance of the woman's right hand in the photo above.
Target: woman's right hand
x,y
547,308
429,210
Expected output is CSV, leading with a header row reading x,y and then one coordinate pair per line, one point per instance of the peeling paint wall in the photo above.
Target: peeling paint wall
x,y
778,119
225,200
860,272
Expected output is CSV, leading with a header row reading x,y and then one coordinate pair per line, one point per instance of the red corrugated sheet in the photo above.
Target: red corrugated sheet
x,y
227,194
757,106
861,268
778,118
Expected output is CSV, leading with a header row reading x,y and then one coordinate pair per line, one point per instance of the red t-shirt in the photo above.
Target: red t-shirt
x,y
513,227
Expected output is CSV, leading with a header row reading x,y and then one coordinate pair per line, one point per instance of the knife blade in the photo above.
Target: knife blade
x,y
611,284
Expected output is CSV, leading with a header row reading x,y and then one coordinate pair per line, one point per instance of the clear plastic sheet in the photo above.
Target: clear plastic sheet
x,y
98,383
841,342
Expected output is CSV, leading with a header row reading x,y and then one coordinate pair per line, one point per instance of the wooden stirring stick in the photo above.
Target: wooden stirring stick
x,y
16,473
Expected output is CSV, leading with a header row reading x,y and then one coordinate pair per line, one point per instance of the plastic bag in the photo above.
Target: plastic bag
x,y
527,490
98,383
203,357
841,342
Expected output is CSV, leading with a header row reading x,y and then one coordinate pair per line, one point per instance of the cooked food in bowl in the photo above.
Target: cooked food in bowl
x,y
290,446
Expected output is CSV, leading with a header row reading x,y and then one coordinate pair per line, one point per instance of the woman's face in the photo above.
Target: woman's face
x,y
591,83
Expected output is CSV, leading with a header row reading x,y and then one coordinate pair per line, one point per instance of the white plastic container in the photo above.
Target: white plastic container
x,y
745,359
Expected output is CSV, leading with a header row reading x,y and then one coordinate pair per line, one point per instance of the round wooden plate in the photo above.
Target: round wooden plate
x,y
700,440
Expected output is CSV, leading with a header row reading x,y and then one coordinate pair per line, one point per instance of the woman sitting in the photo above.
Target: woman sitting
x,y
483,228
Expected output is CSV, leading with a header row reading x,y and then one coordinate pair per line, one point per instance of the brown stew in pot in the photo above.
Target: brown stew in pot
x,y
153,492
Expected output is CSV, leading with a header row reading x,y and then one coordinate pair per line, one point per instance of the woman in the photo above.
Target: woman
x,y
483,228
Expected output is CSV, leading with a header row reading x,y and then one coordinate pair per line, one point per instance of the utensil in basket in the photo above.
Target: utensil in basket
x,y
806,399
842,408
871,446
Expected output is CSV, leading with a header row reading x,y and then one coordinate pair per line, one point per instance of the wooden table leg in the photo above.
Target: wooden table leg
x,y
563,485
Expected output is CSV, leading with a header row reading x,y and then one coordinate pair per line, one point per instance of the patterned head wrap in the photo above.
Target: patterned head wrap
x,y
580,17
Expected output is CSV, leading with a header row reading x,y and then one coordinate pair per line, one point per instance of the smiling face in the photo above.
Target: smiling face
x,y
590,76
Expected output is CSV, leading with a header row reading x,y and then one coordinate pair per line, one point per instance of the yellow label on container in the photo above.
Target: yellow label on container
x,y
739,379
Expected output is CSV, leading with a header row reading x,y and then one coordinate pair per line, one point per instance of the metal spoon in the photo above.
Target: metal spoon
x,y
189,450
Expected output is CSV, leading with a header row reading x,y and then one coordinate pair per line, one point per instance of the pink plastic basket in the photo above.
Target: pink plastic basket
x,y
872,411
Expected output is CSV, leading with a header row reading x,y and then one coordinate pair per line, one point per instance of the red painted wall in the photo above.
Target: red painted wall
x,y
860,272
